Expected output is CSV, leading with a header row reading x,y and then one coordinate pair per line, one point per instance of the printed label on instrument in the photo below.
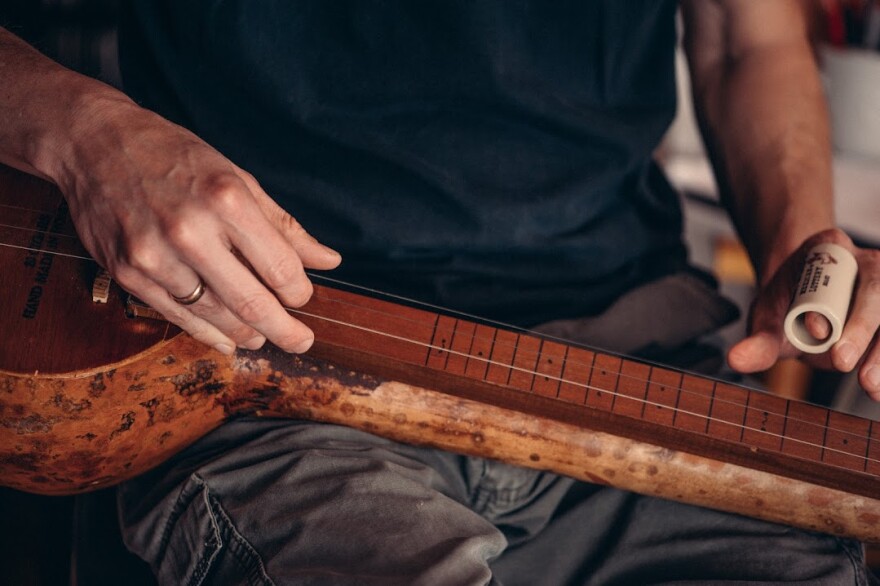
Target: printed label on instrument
x,y
43,246
36,241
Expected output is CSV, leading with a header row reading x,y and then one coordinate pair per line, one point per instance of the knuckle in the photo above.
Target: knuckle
x,y
225,193
871,285
142,256
831,235
253,308
859,333
207,305
247,177
125,275
182,234
290,225
282,273
241,333
180,317
301,296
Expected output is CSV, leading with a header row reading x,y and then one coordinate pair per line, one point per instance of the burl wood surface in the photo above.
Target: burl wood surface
x,y
107,425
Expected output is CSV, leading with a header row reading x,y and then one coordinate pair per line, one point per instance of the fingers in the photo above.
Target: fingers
x,y
163,211
254,305
271,273
157,297
859,340
765,344
755,353
207,318
312,253
869,374
817,325
242,304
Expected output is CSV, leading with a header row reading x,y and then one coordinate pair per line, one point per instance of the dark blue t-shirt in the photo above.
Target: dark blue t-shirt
x,y
488,156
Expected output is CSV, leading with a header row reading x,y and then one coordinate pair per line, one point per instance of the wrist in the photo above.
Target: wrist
x,y
94,113
789,239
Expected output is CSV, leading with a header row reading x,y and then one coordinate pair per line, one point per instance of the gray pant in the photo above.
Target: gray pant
x,y
293,502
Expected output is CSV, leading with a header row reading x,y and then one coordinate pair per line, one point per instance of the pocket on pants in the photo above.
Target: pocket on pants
x,y
200,541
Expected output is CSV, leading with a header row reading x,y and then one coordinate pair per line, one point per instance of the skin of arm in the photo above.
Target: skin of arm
x,y
762,112
158,207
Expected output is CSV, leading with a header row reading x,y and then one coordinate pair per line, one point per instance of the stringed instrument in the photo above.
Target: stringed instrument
x,y
90,397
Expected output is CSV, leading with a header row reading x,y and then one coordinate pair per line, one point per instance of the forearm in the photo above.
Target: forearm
x,y
43,108
763,117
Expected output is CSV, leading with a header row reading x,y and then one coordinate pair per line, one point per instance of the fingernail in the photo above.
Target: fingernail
x,y
225,349
254,343
303,346
848,355
872,377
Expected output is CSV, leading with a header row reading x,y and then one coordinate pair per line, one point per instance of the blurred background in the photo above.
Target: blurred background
x,y
66,540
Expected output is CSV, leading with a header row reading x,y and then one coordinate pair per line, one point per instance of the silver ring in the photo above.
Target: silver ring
x,y
192,297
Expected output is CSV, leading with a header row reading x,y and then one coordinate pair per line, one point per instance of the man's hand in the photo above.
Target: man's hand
x,y
761,107
859,341
163,211
158,207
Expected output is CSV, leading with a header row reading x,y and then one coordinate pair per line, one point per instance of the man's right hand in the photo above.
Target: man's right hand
x,y
162,211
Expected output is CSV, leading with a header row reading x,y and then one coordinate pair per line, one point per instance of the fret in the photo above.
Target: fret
x,y
663,390
603,381
430,347
632,385
525,359
481,352
804,431
549,369
462,339
846,441
659,396
694,404
728,412
785,420
824,434
502,357
764,421
576,375
441,343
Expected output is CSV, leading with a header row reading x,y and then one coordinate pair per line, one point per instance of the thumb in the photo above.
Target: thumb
x,y
759,351
765,342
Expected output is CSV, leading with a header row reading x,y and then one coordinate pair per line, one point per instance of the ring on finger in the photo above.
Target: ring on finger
x,y
192,297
